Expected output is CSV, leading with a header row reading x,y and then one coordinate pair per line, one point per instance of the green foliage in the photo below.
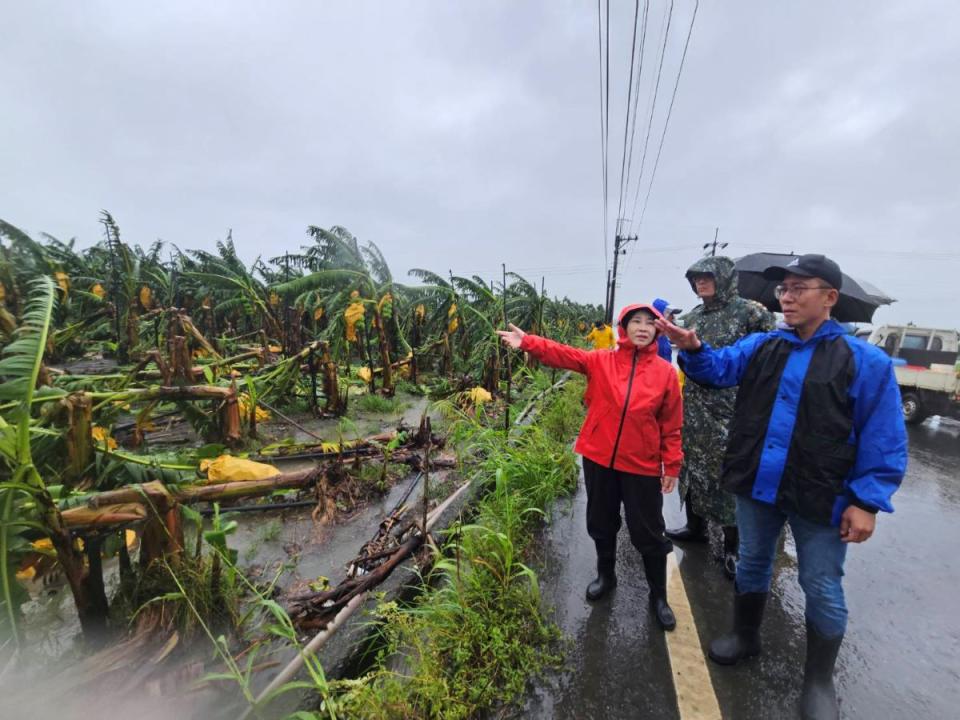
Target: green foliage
x,y
198,590
405,386
562,418
20,369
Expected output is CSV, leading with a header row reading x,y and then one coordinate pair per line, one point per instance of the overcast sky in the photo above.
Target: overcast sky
x,y
461,135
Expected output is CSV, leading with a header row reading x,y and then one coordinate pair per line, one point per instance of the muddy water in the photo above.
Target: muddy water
x,y
291,537
359,424
901,656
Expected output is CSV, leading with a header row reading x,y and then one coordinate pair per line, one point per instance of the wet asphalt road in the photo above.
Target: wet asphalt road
x,y
901,655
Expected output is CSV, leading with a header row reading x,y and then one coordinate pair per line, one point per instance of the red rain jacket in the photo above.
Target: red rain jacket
x,y
634,406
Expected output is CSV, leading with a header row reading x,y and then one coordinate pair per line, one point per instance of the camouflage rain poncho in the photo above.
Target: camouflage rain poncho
x,y
706,411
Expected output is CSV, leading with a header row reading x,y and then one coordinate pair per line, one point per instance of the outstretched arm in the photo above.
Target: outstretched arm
x,y
708,366
546,351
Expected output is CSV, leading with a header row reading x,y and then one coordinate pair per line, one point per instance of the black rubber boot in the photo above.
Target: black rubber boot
x,y
694,531
605,581
744,641
731,551
818,701
655,567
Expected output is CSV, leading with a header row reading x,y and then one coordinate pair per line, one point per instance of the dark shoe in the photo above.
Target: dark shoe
x,y
818,701
663,613
655,567
731,551
694,531
744,641
605,581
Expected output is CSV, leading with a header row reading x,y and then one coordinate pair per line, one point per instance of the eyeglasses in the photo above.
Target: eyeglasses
x,y
796,290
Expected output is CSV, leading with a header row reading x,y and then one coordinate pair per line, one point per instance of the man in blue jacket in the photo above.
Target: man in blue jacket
x,y
817,440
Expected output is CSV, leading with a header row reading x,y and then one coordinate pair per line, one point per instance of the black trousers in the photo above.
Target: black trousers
x,y
642,503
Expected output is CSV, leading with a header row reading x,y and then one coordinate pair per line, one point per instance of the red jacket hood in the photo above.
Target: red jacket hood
x,y
622,339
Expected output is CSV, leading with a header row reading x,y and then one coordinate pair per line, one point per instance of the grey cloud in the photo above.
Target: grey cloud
x,y
459,136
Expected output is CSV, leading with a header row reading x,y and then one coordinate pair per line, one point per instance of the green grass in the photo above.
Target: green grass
x,y
561,419
378,404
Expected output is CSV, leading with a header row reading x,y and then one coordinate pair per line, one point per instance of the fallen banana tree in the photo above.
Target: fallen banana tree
x,y
132,503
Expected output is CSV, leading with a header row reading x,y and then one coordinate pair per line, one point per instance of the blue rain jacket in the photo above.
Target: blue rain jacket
x,y
877,441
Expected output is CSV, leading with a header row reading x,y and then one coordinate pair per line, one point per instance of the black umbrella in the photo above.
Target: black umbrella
x,y
856,304
876,293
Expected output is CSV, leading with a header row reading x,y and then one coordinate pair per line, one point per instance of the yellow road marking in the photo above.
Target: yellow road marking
x,y
696,698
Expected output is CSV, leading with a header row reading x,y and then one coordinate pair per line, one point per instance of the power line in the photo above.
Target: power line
x,y
673,98
604,117
636,95
665,25
606,131
626,122
603,146
653,107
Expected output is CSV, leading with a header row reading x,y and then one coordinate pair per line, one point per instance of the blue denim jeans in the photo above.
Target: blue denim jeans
x,y
820,556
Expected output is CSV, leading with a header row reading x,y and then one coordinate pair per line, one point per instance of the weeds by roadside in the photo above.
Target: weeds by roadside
x,y
480,635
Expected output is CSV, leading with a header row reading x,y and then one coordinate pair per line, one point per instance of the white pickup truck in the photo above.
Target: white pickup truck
x,y
928,371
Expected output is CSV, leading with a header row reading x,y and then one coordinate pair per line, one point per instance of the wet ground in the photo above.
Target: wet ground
x,y
900,658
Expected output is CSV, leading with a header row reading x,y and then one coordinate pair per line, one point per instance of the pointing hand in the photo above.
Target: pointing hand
x,y
512,337
683,339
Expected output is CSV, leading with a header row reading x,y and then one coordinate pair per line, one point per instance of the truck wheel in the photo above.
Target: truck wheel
x,y
913,410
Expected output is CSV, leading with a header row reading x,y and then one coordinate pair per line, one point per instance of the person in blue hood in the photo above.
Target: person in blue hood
x,y
664,349
818,441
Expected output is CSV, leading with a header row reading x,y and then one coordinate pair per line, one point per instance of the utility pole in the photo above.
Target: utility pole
x,y
713,246
506,352
618,250
543,299
606,298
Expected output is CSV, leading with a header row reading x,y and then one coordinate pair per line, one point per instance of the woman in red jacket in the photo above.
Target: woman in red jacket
x,y
630,443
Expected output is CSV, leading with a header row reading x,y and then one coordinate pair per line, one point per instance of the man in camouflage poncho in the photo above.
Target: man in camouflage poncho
x,y
723,318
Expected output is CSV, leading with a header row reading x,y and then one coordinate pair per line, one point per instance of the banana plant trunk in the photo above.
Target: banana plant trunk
x,y
87,592
362,341
77,409
414,349
331,389
384,352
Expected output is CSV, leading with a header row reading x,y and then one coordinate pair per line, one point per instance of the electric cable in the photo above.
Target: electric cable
x,y
653,108
636,96
603,142
626,122
673,98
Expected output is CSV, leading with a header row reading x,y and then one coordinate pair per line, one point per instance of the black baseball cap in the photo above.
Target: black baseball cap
x,y
811,265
